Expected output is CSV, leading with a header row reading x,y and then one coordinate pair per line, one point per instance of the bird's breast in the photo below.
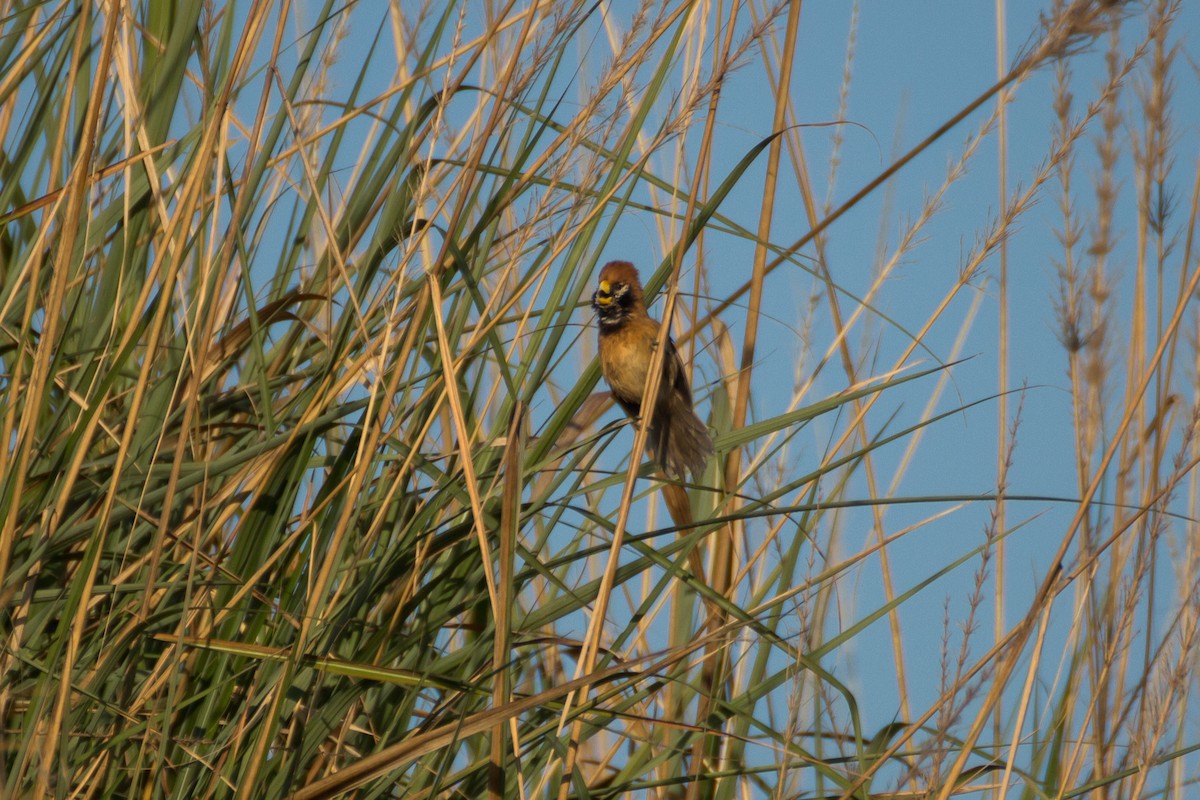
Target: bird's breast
x,y
625,357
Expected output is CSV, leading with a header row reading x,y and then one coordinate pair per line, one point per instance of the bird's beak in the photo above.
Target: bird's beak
x,y
603,296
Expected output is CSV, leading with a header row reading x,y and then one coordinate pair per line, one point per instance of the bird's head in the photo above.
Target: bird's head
x,y
619,294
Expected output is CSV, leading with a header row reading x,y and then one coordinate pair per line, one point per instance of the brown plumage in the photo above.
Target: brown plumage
x,y
677,439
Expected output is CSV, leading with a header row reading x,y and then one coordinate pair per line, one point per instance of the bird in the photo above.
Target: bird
x,y
677,440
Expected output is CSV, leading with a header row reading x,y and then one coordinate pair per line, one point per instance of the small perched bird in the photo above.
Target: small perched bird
x,y
678,440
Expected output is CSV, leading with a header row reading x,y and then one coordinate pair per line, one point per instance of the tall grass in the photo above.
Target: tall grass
x,y
310,488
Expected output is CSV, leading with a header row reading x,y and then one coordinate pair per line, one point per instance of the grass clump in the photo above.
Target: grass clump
x,y
308,488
